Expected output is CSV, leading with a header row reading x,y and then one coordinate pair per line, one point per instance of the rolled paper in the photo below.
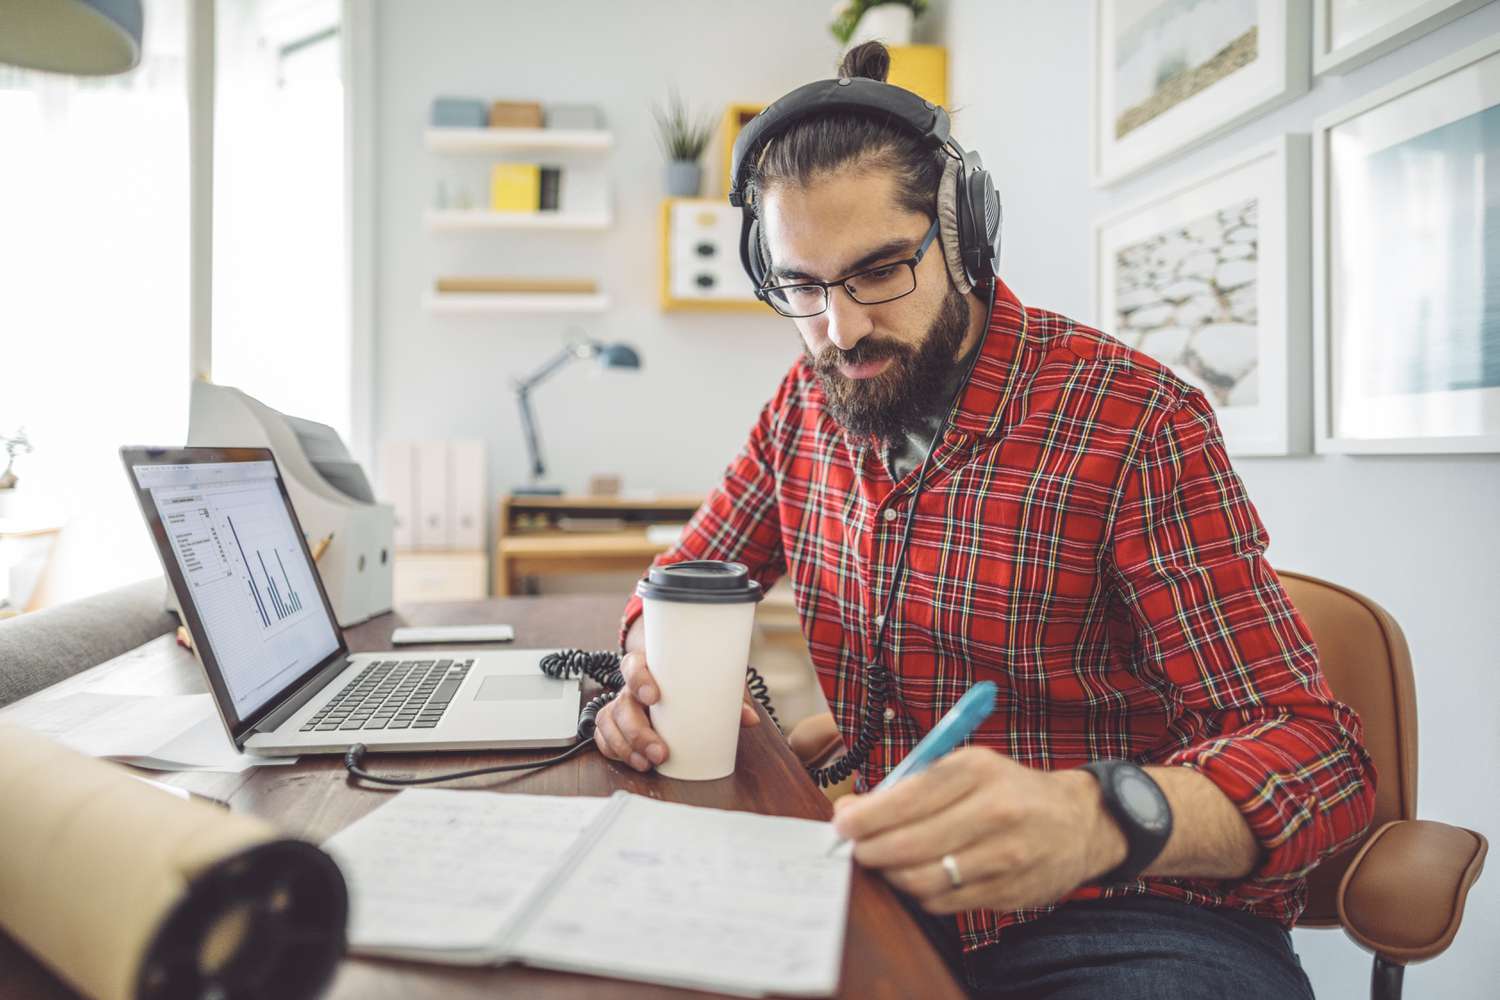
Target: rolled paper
x,y
127,893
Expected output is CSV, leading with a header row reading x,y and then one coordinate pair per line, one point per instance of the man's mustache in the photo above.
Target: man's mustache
x,y
827,362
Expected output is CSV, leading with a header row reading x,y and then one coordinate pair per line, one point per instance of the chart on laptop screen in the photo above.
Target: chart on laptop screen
x,y
245,573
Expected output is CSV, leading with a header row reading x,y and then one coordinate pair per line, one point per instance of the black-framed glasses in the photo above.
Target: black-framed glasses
x,y
870,287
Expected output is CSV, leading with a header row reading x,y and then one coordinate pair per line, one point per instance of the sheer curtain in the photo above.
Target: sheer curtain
x,y
94,295
280,311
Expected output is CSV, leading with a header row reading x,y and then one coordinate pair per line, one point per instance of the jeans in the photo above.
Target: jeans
x,y
1132,948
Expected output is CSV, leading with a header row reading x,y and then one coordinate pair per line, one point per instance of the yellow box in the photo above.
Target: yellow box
x,y
921,69
516,187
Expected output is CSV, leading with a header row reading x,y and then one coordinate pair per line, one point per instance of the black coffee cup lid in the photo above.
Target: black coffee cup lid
x,y
701,581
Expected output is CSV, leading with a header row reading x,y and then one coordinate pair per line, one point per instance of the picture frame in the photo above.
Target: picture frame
x,y
1406,360
1349,33
1171,74
1212,279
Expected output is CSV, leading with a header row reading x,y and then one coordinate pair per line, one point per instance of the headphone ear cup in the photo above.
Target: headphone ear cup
x,y
982,220
751,257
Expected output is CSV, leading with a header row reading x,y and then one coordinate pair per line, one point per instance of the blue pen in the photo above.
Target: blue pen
x,y
952,729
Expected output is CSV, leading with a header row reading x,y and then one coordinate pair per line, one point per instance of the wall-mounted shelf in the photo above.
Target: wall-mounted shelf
x,y
495,303
451,220
490,140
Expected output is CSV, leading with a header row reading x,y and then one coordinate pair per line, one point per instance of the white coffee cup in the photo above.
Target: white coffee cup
x,y
699,617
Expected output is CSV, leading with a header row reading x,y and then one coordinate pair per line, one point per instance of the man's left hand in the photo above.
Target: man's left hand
x,y
1020,837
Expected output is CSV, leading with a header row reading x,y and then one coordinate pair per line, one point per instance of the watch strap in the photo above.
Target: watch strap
x,y
1143,844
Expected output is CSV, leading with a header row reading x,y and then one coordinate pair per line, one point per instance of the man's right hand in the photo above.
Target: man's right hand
x,y
622,730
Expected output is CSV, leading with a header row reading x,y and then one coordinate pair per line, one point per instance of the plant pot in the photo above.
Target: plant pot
x,y
890,23
684,179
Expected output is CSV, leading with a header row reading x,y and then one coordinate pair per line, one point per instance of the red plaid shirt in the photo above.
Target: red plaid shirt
x,y
1083,542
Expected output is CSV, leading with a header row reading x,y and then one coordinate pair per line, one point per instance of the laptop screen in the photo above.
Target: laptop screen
x,y
245,570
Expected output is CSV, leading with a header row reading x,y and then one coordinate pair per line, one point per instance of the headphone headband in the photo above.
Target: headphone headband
x,y
923,117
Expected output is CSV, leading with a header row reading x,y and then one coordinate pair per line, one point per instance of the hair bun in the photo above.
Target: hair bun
x,y
869,60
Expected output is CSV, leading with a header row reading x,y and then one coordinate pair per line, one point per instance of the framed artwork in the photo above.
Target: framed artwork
x,y
1211,279
1349,33
1169,74
1406,274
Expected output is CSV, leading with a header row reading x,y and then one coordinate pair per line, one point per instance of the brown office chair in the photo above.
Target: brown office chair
x,y
1400,891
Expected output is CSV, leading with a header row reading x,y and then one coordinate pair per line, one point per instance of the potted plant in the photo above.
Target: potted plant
x,y
16,444
683,137
858,21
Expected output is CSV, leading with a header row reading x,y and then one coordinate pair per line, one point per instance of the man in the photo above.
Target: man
x,y
1080,539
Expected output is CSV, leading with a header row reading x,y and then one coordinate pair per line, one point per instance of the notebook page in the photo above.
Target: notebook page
x,y
443,872
708,898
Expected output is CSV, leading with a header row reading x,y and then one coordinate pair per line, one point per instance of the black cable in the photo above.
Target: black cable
x,y
877,677
603,667
355,755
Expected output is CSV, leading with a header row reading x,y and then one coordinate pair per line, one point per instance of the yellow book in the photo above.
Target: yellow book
x,y
516,187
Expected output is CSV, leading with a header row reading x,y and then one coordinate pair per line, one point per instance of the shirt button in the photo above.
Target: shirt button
x,y
889,513
879,621
890,714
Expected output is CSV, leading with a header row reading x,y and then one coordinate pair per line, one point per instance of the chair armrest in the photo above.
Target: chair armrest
x,y
1403,894
816,740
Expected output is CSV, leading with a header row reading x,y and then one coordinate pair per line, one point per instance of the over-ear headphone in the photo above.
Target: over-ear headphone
x,y
968,207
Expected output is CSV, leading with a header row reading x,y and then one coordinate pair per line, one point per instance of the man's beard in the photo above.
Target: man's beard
x,y
899,398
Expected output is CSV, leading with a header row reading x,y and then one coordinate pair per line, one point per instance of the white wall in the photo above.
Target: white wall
x,y
675,425
1417,534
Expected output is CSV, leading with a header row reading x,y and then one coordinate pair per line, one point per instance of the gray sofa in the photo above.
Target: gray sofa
x,y
42,648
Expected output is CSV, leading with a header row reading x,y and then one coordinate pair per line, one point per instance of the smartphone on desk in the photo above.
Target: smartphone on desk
x,y
422,634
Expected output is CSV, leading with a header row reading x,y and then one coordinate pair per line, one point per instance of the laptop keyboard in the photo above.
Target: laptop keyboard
x,y
391,694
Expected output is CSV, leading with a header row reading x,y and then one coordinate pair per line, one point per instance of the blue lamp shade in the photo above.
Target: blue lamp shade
x,y
619,356
79,37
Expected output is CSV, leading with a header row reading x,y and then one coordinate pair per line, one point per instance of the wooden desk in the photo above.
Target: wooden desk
x,y
885,955
528,541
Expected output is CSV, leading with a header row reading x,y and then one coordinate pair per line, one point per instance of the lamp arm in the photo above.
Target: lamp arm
x,y
570,353
528,425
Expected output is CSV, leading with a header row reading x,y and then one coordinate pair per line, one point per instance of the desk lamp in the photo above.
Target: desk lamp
x,y
621,356
81,37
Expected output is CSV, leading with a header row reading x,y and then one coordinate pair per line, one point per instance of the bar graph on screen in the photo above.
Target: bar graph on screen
x,y
269,598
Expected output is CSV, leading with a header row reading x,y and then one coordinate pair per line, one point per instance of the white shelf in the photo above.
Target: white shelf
x,y
491,303
452,220
487,140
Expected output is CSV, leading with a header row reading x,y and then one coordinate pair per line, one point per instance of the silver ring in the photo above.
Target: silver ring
x,y
950,865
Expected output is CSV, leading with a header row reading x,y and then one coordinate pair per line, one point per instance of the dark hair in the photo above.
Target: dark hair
x,y
831,142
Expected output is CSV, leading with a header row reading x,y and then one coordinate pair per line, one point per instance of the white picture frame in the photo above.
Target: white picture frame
x,y
1456,409
1159,125
1267,409
1378,27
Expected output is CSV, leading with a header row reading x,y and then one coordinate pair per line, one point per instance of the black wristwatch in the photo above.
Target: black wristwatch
x,y
1137,804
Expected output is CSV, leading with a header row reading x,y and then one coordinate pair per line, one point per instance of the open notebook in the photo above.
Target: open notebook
x,y
627,886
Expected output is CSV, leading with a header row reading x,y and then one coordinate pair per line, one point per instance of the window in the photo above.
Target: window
x,y
94,295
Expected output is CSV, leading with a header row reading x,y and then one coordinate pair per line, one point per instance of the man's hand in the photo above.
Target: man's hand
x,y
1020,837
622,730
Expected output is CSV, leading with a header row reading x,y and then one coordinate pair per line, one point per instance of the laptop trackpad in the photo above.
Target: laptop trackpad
x,y
519,687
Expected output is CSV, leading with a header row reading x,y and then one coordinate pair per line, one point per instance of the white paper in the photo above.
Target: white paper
x,y
179,732
696,897
448,871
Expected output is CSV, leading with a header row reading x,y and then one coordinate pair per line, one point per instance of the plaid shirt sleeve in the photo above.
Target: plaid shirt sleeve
x,y
739,520
1217,629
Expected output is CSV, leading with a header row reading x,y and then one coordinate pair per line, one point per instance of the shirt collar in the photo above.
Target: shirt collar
x,y
997,371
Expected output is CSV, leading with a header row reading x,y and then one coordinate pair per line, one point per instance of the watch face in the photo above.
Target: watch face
x,y
1141,798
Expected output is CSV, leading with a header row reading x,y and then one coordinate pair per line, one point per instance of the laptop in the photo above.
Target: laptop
x,y
275,660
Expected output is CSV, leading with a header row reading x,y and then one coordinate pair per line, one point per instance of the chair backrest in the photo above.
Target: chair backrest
x,y
1368,666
